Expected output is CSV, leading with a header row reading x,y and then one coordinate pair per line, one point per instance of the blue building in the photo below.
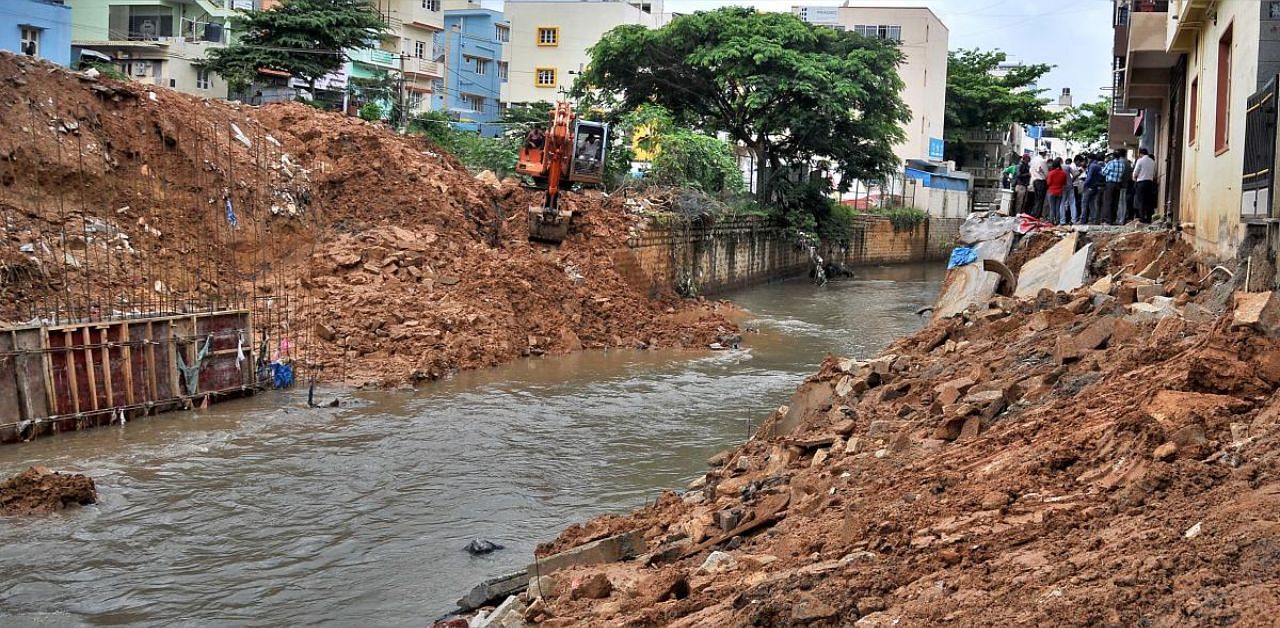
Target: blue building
x,y
475,72
41,28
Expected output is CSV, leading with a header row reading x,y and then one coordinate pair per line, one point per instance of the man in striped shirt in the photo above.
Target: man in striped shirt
x,y
1113,172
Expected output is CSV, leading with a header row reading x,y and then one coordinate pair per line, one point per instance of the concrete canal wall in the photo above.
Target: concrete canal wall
x,y
744,251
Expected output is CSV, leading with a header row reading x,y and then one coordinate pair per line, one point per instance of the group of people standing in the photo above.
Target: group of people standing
x,y
1090,189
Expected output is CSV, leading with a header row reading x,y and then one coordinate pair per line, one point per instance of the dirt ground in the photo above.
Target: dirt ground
x,y
1083,459
377,259
39,490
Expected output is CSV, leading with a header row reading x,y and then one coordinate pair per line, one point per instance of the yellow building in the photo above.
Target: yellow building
x,y
550,40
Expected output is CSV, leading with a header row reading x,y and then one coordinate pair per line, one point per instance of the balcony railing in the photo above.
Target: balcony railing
x,y
375,56
426,67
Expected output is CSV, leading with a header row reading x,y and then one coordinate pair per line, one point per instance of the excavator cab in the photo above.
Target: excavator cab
x,y
570,151
589,141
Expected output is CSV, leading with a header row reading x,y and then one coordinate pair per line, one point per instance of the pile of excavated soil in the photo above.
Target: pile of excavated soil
x,y
1084,458
397,264
39,490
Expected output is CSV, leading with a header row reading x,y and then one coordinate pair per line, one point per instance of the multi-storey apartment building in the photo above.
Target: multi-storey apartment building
x,y
37,28
476,68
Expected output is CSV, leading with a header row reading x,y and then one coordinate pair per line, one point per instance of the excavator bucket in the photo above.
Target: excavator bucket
x,y
549,225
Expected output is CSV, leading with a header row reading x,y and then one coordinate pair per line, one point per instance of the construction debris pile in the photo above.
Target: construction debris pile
x,y
1107,454
39,490
368,257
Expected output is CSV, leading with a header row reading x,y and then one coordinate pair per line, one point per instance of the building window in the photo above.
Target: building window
x,y
202,78
431,5
1222,106
502,71
502,32
415,101
545,77
482,66
30,41
502,108
420,49
1193,113
548,35
473,102
879,31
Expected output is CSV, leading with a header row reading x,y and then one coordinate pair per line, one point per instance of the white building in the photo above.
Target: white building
x,y
157,42
550,40
923,39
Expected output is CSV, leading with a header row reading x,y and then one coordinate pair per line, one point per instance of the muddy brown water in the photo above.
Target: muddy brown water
x,y
263,512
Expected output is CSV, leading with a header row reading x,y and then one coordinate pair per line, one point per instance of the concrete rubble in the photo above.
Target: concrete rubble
x,y
1078,457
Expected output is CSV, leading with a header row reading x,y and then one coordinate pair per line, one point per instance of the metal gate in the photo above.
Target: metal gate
x,y
1259,154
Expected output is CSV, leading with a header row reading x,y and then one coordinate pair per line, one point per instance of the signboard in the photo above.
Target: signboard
x,y
242,5
823,16
937,148
333,82
1035,132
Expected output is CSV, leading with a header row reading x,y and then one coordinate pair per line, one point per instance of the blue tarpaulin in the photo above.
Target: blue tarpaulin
x,y
961,256
282,374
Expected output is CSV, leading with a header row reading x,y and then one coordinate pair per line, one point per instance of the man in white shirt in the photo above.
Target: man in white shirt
x,y
1039,187
1144,179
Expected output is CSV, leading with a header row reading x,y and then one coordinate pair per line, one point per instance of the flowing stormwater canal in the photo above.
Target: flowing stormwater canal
x,y
263,512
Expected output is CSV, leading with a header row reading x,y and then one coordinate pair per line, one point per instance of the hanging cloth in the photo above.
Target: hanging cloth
x,y
231,214
191,374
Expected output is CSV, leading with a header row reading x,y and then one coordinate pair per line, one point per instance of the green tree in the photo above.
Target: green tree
x,y
786,90
305,38
691,159
1089,125
982,97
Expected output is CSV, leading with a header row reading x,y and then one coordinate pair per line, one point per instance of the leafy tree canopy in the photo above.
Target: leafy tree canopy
x,y
980,98
1089,125
787,90
305,38
683,157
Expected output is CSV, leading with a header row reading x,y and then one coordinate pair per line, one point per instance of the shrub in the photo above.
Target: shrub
x,y
903,218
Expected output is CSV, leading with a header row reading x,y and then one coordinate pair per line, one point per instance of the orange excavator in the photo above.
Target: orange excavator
x,y
570,151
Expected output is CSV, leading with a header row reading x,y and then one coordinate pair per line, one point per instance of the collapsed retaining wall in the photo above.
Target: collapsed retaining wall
x,y
739,252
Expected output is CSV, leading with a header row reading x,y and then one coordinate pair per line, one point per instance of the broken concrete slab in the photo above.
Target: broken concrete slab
x,y
971,283
508,614
1259,310
494,589
608,550
1045,271
1076,270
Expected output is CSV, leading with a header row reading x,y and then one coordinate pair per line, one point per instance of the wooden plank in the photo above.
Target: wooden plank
x,y
50,385
153,391
10,408
69,354
89,370
106,366
29,368
127,352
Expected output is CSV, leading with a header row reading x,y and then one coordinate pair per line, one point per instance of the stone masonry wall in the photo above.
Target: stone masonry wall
x,y
743,251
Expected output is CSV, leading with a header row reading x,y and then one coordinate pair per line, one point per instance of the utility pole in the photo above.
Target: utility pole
x,y
448,63
400,122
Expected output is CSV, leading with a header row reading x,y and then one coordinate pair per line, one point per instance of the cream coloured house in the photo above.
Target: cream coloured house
x,y
923,39
550,40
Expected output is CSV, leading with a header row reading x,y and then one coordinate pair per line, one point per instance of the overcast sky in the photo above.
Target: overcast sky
x,y
1075,36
